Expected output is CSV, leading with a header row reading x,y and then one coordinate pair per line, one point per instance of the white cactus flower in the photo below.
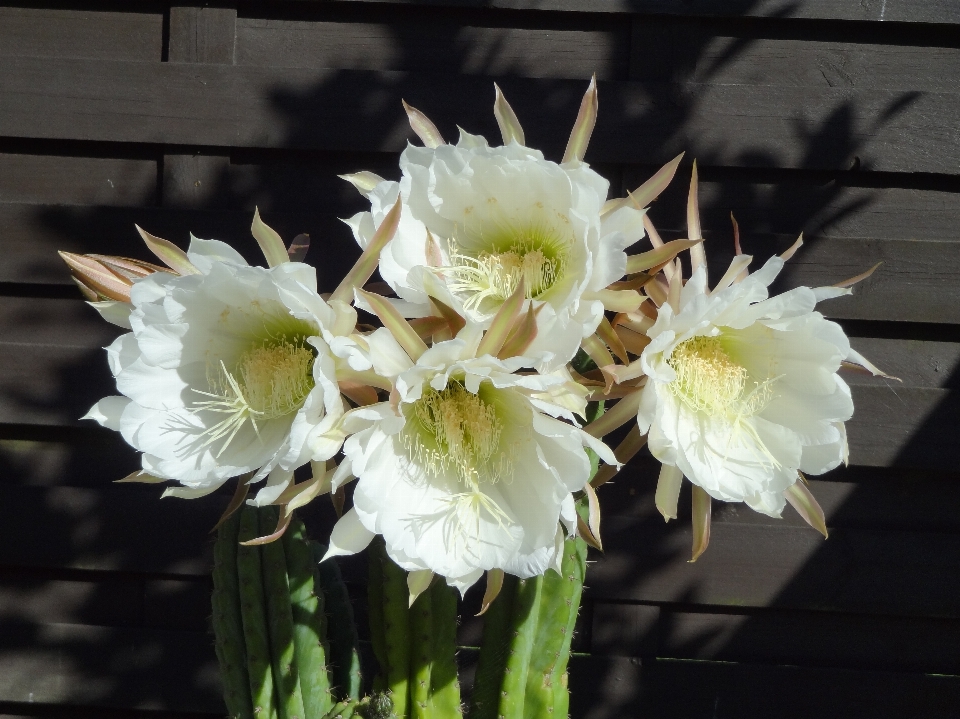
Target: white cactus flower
x,y
480,218
227,371
466,469
742,389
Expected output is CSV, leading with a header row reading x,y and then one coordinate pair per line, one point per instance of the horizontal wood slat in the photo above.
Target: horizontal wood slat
x,y
811,639
927,11
859,571
436,45
81,33
109,667
224,105
617,687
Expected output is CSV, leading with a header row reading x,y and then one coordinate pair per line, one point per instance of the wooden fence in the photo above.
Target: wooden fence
x,y
838,118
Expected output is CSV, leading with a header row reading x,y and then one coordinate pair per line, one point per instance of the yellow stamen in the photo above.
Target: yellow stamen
x,y
710,382
456,430
270,381
537,255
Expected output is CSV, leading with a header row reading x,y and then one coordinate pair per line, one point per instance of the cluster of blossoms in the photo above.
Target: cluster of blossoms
x,y
463,416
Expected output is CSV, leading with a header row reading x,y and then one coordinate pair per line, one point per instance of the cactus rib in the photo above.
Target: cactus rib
x,y
494,651
344,645
309,623
396,632
526,611
444,687
227,622
254,619
273,566
421,655
560,600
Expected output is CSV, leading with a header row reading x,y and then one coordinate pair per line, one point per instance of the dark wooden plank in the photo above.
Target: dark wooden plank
x,y
113,528
700,52
860,571
357,110
105,599
819,206
105,35
193,180
32,234
202,34
806,639
852,498
436,45
925,11
109,667
616,687
76,180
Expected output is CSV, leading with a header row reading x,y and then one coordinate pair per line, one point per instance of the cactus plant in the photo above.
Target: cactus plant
x,y
270,624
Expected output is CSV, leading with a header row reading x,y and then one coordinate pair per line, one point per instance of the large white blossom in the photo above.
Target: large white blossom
x,y
742,388
482,217
226,372
467,467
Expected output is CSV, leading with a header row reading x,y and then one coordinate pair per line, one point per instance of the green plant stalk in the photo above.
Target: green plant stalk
x,y
494,650
523,626
375,614
421,655
444,686
227,621
396,632
254,619
273,566
309,622
344,644
559,604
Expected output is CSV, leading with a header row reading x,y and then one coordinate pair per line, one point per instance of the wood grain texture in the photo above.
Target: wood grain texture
x,y
680,689
48,32
109,667
861,571
202,34
926,11
35,179
695,51
221,105
442,44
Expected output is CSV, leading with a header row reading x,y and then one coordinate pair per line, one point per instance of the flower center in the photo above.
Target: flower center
x,y
456,430
538,255
709,381
269,381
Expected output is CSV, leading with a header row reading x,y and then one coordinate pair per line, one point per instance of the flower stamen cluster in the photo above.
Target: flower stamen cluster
x,y
535,255
456,430
270,381
709,381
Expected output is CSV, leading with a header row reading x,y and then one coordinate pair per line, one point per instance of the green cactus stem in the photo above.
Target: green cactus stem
x,y
375,615
254,619
273,565
422,628
497,636
523,627
444,686
344,657
559,604
396,630
227,621
309,623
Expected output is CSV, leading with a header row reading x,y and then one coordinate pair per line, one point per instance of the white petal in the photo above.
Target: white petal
x,y
349,536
